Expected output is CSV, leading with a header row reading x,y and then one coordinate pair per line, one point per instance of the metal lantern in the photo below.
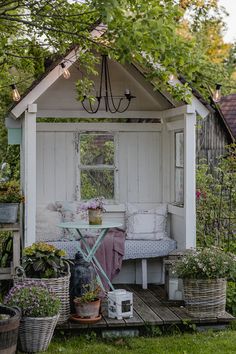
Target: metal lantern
x,y
120,304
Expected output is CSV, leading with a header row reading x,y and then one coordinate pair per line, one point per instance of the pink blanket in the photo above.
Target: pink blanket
x,y
110,253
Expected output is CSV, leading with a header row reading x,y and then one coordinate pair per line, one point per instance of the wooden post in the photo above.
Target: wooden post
x,y
29,173
190,179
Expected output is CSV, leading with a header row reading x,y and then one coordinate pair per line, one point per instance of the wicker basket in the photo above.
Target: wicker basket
x,y
205,298
60,287
35,334
9,330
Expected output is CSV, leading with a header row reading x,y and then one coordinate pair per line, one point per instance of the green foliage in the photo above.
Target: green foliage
x,y
206,263
6,250
44,261
216,202
231,298
10,192
90,293
34,300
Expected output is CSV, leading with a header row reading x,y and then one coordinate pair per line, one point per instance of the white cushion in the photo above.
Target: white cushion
x,y
47,224
146,224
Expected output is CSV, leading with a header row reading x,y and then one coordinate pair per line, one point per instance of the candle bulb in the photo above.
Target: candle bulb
x,y
66,73
15,93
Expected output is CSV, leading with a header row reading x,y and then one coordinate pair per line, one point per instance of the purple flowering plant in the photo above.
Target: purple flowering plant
x,y
34,299
95,203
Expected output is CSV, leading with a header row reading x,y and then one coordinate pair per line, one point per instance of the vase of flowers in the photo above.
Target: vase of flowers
x,y
204,273
95,208
44,262
40,313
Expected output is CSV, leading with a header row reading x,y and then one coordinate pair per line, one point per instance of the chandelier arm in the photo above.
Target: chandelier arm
x,y
123,110
111,95
91,111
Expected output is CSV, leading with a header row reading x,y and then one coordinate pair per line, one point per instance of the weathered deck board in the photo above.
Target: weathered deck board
x,y
166,315
150,307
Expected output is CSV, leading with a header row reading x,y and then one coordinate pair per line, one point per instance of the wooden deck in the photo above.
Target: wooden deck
x,y
150,308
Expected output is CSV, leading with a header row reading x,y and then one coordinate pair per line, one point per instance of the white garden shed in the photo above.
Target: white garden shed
x,y
154,150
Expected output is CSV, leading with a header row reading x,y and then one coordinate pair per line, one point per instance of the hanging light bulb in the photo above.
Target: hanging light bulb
x,y
171,78
15,93
66,72
217,94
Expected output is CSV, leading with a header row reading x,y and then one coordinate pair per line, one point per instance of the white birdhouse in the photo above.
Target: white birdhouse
x,y
120,304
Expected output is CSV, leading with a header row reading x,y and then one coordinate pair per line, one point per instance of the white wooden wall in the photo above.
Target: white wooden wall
x,y
139,164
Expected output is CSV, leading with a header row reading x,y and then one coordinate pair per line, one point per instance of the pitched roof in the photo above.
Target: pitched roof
x,y
228,108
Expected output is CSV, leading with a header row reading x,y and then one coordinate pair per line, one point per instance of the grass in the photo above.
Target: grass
x,y
205,343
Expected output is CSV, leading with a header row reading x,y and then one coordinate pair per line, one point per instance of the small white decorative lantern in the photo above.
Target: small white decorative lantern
x,y
120,304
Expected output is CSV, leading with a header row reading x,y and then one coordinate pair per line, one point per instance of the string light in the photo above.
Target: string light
x,y
15,93
66,73
217,94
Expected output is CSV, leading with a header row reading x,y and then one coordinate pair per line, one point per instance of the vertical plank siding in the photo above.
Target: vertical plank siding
x,y
211,139
139,166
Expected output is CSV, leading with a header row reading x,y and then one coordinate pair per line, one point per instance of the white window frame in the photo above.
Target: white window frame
x,y
98,167
175,167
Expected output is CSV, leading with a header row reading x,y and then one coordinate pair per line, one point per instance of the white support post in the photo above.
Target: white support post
x,y
190,179
166,151
144,273
29,173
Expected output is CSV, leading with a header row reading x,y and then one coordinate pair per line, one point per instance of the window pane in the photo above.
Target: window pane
x,y
179,185
96,149
95,183
179,149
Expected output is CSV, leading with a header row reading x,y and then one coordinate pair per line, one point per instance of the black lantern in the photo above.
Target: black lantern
x,y
113,104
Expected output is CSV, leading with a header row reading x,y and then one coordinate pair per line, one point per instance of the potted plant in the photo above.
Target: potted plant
x,y
10,197
42,261
9,326
204,273
95,208
40,313
88,305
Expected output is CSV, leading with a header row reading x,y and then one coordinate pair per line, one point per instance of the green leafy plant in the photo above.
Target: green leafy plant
x,y
10,192
34,299
90,293
206,263
42,260
231,297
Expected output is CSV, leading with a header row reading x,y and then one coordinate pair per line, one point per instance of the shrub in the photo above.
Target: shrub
x,y
34,299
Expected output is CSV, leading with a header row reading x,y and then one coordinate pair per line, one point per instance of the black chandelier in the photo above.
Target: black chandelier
x,y
113,104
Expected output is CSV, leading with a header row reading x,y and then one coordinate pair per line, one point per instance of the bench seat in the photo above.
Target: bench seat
x,y
134,249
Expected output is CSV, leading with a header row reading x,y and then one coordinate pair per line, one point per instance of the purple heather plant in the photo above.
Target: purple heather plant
x,y
34,299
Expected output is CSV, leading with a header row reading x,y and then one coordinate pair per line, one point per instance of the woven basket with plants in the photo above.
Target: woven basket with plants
x,y
40,313
205,273
44,262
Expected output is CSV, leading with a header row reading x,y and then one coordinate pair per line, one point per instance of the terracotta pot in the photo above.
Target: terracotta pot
x,y
87,309
95,216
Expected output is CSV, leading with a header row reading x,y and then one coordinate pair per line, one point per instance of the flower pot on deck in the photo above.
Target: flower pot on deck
x,y
9,329
205,298
87,309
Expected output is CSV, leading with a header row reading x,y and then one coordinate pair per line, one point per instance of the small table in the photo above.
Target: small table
x,y
89,255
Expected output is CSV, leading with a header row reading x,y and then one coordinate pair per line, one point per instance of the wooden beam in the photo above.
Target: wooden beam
x,y
178,111
190,180
100,114
29,173
121,127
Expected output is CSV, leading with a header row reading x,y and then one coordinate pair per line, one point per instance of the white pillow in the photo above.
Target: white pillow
x,y
47,222
146,224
